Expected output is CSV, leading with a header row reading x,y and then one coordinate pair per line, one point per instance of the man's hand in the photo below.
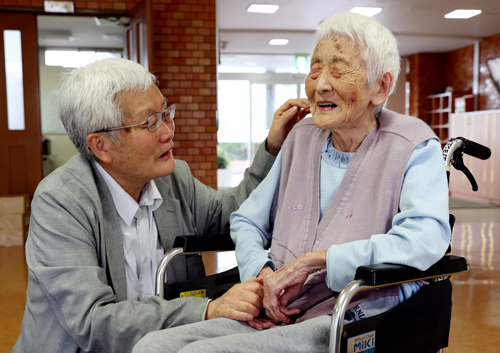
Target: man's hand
x,y
286,283
263,322
243,302
284,119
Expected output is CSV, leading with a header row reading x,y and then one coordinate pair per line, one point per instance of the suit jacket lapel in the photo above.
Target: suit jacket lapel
x,y
168,217
113,238
169,222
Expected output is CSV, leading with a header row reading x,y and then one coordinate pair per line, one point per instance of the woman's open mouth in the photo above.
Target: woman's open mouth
x,y
326,106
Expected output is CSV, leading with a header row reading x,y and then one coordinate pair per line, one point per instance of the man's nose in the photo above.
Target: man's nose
x,y
167,130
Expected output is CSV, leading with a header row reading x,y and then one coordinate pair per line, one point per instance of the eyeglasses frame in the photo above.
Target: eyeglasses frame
x,y
171,115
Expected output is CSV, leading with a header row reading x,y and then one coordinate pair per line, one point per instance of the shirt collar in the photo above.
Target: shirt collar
x,y
125,205
334,157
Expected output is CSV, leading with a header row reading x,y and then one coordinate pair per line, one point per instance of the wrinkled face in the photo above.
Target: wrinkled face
x,y
140,155
337,85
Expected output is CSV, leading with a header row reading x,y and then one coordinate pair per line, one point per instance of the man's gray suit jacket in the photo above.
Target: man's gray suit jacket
x,y
77,291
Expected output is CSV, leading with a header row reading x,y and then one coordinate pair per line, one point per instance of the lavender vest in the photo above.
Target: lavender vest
x,y
365,203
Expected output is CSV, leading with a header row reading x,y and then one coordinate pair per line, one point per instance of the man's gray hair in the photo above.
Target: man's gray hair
x,y
378,45
89,98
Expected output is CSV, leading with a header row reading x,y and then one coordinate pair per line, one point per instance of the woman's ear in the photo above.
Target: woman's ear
x,y
384,84
97,143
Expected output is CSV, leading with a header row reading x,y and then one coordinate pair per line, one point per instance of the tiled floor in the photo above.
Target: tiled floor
x,y
476,295
475,325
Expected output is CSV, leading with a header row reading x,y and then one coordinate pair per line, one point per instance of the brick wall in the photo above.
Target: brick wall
x,y
426,77
489,97
433,72
460,69
184,52
412,77
184,59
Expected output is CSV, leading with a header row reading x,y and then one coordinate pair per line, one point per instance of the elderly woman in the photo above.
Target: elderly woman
x,y
355,185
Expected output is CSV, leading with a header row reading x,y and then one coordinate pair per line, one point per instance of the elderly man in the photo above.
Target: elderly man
x,y
101,223
355,185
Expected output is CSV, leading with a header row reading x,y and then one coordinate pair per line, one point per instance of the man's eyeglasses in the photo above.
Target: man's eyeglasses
x,y
153,122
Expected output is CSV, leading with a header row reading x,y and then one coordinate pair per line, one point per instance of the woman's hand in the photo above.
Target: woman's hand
x,y
242,302
286,283
290,113
279,287
266,270
261,323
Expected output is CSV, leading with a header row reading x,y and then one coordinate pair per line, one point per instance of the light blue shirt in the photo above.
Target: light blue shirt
x,y
419,236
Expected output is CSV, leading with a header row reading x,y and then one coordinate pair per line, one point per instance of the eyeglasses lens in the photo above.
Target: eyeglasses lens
x,y
154,121
171,112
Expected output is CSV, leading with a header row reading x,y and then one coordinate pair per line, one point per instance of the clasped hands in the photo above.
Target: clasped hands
x,y
270,291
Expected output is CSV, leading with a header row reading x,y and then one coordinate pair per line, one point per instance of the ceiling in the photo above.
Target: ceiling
x,y
419,26
81,32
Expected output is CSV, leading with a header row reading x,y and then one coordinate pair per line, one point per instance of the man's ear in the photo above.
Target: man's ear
x,y
384,85
97,143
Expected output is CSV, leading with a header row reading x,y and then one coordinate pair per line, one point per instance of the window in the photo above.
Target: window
x,y
75,58
246,110
14,79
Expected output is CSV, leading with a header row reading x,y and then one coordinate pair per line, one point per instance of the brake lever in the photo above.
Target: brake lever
x,y
458,164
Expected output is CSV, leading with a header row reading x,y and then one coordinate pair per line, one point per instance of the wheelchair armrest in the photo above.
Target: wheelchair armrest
x,y
382,274
204,243
188,245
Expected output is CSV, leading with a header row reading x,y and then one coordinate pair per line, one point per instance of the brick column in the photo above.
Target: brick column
x,y
184,54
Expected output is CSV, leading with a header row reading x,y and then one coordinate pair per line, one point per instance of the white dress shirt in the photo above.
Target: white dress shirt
x,y
141,247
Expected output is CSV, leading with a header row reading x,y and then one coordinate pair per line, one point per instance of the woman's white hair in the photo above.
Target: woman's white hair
x,y
378,45
89,98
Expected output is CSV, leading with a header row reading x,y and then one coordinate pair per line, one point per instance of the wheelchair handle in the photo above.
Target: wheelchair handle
x,y
453,155
464,146
475,149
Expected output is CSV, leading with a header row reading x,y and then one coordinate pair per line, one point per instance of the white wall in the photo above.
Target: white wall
x,y
62,148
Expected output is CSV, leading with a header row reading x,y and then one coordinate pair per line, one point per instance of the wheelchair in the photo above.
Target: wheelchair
x,y
420,324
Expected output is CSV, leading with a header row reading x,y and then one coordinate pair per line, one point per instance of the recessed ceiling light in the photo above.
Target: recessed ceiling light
x,y
263,8
462,14
278,41
367,11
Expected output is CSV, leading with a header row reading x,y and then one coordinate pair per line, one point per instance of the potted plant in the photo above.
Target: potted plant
x,y
223,173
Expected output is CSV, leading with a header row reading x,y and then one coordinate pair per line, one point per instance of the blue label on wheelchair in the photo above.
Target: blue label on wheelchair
x,y
364,343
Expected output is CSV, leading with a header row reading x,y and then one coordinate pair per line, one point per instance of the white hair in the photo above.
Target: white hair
x,y
89,98
378,45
